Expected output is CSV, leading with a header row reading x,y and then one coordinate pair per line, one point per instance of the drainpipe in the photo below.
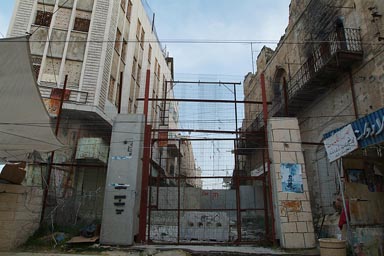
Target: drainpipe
x,y
353,94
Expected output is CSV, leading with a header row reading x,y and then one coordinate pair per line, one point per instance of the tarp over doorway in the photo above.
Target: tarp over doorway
x,y
24,121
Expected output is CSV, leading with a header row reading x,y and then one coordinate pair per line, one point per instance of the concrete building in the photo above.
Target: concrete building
x,y
328,72
105,48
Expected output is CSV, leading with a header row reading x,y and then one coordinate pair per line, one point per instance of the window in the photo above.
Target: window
x,y
149,54
43,18
129,10
36,62
117,98
158,71
138,29
123,3
130,105
111,88
134,65
142,38
124,50
156,63
138,80
82,24
117,42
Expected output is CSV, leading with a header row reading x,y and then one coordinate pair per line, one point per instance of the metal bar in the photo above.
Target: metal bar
x,y
266,219
203,82
46,190
61,106
262,242
237,129
237,174
200,131
120,92
146,166
178,194
144,184
312,143
285,89
206,101
212,177
238,208
208,210
73,165
353,92
163,111
150,202
146,100
265,114
339,164
205,139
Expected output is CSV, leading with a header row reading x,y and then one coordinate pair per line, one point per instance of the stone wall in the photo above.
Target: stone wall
x,y
20,209
311,20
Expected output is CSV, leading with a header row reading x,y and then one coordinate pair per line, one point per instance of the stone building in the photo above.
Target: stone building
x,y
327,71
105,49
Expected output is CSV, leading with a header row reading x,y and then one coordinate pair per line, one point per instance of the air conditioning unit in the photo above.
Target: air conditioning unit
x,y
92,149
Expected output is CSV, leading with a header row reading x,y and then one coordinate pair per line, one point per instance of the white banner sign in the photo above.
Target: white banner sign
x,y
341,143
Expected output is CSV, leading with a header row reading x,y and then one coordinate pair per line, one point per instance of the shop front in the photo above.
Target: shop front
x,y
357,151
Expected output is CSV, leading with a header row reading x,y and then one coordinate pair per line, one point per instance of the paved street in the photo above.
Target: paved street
x,y
177,251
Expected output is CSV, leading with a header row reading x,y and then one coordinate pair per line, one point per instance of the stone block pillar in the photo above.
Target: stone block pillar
x,y
293,215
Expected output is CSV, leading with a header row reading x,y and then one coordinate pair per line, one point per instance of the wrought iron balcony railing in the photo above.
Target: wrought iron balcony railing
x,y
338,50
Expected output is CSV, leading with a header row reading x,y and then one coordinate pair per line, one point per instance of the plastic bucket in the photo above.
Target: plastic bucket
x,y
332,247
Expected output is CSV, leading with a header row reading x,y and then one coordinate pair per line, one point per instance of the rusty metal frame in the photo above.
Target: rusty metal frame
x,y
266,155
236,178
48,182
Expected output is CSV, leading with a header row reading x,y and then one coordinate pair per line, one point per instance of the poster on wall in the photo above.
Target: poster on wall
x,y
341,143
291,178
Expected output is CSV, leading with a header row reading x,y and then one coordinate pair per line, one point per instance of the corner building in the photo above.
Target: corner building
x,y
105,47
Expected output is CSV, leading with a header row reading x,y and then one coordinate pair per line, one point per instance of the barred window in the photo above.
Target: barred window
x,y
111,88
122,4
118,41
129,10
82,24
43,18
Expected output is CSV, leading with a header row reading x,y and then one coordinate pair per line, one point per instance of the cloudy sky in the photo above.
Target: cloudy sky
x,y
253,20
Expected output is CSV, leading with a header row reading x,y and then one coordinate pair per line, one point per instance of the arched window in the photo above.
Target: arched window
x,y
279,94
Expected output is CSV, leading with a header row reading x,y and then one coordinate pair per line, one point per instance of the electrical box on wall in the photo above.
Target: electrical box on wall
x,y
92,149
123,185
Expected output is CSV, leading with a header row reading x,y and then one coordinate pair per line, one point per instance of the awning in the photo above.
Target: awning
x,y
24,122
369,130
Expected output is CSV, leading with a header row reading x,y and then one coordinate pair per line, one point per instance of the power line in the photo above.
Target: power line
x,y
201,41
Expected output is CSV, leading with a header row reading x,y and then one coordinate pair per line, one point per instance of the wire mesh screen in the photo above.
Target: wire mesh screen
x,y
198,191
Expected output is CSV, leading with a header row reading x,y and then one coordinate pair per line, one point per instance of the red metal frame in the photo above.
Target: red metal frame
x,y
236,178
146,166
266,146
46,190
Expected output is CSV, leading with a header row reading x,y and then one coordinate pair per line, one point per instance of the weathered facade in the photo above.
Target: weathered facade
x,y
328,71
104,48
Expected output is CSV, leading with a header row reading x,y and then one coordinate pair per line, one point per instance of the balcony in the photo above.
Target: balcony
x,y
328,61
51,91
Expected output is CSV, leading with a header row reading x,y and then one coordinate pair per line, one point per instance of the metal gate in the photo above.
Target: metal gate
x,y
199,188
